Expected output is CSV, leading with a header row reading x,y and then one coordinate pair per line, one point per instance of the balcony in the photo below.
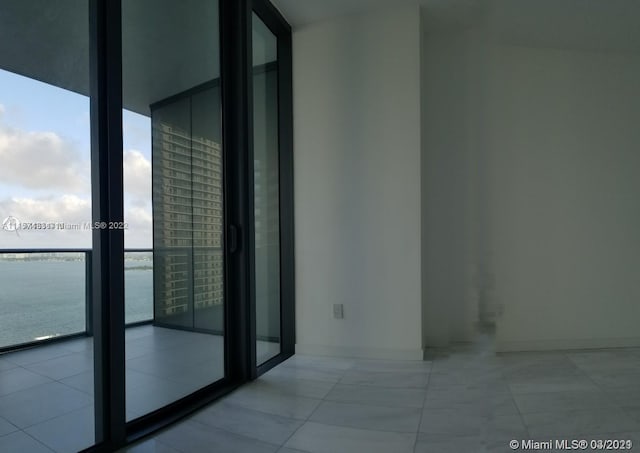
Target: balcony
x,y
46,349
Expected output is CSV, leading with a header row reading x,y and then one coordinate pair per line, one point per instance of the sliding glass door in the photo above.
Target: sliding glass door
x,y
171,97
147,229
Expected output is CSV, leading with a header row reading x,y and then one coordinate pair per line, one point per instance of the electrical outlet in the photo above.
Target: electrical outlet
x,y
338,311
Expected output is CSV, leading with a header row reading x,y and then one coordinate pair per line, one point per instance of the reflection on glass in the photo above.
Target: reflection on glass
x,y
173,138
266,189
173,218
188,205
206,161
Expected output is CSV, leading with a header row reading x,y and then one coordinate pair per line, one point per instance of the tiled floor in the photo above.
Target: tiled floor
x,y
466,399
46,393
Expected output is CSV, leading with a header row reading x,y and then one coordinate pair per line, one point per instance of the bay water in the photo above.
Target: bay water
x,y
43,296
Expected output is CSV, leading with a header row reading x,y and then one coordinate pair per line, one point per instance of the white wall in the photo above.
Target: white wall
x,y
481,168
563,145
450,310
357,185
530,181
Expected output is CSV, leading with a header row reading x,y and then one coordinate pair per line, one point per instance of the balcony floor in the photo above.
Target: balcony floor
x,y
47,389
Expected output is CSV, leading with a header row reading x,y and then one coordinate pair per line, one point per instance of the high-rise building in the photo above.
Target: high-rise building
x,y
187,202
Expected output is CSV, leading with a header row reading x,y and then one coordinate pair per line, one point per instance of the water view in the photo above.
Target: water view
x,y
43,295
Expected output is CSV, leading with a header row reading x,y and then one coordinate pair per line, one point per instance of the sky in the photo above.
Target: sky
x,y
45,166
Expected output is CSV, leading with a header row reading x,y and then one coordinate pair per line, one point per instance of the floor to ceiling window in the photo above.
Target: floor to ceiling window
x,y
46,356
146,201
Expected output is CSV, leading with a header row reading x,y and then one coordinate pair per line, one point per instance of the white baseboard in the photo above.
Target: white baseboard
x,y
360,353
567,344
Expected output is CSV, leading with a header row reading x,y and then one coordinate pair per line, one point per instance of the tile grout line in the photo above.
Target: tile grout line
x,y
37,440
10,423
240,406
515,403
24,430
191,419
598,386
323,399
609,398
424,402
585,410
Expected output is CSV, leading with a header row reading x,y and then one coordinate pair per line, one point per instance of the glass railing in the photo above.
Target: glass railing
x,y
44,293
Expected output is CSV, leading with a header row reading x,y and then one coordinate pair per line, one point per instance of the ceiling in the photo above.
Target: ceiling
x,y
607,25
170,46
32,34
303,12
590,25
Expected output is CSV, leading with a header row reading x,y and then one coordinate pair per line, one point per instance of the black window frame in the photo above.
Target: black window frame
x,y
105,40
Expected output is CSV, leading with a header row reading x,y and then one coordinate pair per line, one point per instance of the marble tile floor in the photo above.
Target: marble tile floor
x,y
464,399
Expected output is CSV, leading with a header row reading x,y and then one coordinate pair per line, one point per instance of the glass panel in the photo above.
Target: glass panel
x,y
138,257
43,296
46,388
266,189
138,279
172,137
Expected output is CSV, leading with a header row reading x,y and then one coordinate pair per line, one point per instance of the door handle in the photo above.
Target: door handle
x,y
234,238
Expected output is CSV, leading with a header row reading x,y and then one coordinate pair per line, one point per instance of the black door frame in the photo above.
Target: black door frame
x,y
105,40
274,21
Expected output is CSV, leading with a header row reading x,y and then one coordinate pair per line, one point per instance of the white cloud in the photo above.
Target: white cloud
x,y
68,209
137,176
65,208
140,217
33,163
41,160
137,194
139,233
136,130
